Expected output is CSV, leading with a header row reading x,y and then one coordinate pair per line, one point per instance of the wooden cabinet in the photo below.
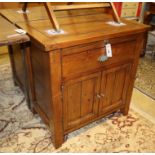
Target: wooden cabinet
x,y
92,88
72,87
88,97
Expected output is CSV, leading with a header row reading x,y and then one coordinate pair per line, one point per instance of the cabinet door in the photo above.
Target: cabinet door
x,y
114,85
80,101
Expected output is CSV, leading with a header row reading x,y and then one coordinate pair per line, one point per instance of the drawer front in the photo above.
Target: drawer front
x,y
129,13
85,58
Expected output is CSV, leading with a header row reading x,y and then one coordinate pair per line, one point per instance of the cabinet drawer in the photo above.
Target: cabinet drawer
x,y
84,58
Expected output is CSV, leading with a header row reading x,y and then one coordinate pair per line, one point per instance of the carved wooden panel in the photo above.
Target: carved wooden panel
x,y
80,100
114,85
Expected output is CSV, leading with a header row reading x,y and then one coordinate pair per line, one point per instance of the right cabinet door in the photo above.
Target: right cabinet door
x,y
114,85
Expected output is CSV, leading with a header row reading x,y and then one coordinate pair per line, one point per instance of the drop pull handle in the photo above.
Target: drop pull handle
x,y
103,58
108,52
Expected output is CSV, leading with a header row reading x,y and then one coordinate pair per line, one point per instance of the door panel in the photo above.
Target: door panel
x,y
80,101
114,85
74,96
87,98
118,85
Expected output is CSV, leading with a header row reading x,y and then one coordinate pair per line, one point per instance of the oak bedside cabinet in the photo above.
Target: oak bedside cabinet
x,y
83,63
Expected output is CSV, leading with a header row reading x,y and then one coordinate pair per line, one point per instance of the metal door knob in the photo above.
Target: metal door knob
x,y
102,95
98,96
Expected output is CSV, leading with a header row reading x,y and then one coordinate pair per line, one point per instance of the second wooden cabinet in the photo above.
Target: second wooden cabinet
x,y
89,97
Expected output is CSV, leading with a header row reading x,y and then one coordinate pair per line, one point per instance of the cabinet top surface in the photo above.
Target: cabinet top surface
x,y
8,35
78,26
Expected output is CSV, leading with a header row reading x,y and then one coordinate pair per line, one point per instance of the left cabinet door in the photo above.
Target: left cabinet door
x,y
80,102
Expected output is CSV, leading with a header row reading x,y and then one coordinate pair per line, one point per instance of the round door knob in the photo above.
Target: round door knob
x,y
98,96
102,95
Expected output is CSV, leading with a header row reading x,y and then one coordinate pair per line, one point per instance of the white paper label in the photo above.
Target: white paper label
x,y
108,50
54,32
20,31
22,12
113,23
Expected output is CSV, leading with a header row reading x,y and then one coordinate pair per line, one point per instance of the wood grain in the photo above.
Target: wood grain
x,y
71,87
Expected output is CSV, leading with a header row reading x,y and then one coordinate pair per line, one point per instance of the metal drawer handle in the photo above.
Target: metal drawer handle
x,y
103,58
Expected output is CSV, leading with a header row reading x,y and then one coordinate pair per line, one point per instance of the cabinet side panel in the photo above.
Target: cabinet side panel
x,y
41,77
139,46
17,65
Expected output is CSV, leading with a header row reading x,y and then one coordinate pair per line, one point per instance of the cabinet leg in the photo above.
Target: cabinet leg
x,y
65,137
33,111
124,111
14,82
58,141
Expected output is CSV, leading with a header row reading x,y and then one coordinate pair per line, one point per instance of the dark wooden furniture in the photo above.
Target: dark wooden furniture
x,y
9,37
148,15
13,5
72,87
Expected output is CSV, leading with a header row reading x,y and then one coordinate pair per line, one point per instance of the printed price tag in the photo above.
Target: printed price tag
x,y
108,50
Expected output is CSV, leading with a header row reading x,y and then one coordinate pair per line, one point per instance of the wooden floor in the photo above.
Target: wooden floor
x,y
143,103
4,59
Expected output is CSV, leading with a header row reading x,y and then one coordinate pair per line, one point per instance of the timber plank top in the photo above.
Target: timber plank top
x,y
78,26
8,36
